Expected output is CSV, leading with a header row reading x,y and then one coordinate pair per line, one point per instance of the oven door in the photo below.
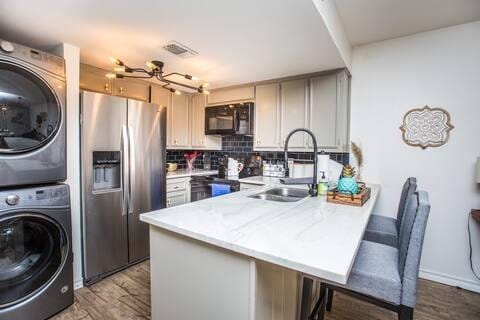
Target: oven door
x,y
220,120
33,250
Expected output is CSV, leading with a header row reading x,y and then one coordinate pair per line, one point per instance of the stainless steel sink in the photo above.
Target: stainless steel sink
x,y
282,195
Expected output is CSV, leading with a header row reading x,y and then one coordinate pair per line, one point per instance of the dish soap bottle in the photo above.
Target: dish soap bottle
x,y
323,185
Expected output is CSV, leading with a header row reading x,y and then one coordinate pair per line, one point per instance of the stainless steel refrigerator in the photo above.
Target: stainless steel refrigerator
x,y
123,175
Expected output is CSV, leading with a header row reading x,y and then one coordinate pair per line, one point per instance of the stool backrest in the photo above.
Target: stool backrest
x,y
411,245
409,188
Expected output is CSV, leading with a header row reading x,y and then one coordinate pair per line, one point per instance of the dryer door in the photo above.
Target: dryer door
x,y
30,113
33,249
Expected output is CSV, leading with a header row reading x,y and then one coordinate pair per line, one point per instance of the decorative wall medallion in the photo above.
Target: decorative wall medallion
x,y
426,127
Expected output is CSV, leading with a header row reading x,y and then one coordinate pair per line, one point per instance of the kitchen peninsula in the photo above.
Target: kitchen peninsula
x,y
236,257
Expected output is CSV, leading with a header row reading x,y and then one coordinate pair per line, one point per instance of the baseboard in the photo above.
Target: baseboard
x,y
450,280
78,284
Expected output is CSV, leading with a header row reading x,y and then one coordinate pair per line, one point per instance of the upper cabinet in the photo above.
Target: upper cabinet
x,y
199,139
228,95
293,108
180,121
94,79
320,104
132,88
267,117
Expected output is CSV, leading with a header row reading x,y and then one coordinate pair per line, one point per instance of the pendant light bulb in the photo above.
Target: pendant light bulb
x,y
116,61
151,65
195,78
111,75
119,69
178,92
205,85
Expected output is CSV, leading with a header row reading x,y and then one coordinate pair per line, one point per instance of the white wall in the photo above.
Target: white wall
x,y
440,69
71,54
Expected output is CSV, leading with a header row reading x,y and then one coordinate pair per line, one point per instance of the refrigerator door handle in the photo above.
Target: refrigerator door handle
x,y
126,171
132,164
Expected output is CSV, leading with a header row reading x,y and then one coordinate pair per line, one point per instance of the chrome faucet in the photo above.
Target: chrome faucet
x,y
313,185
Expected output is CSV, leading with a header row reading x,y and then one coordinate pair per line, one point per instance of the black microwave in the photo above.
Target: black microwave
x,y
230,119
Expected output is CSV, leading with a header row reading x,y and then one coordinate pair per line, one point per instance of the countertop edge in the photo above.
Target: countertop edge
x,y
321,274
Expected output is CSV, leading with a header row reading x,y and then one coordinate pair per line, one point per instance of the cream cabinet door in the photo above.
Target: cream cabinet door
x,y
267,117
94,79
162,97
132,88
329,112
227,95
180,120
294,98
277,292
199,139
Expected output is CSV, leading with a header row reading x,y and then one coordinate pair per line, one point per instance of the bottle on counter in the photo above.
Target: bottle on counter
x,y
323,185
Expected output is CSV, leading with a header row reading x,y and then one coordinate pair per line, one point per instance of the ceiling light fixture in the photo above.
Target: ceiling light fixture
x,y
155,70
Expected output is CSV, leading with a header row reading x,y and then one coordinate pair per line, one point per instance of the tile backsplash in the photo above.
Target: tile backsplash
x,y
241,147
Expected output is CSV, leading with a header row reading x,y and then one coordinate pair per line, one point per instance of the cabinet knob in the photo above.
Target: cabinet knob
x,y
258,141
107,87
121,90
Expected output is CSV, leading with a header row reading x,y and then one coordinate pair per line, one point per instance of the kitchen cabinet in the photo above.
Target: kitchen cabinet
x,y
132,88
320,104
199,139
293,108
178,191
277,292
267,117
329,108
180,121
94,79
228,95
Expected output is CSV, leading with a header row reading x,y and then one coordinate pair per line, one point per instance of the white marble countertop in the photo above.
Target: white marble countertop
x,y
181,173
311,236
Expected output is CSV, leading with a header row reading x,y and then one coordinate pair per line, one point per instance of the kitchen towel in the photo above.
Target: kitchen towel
x,y
219,189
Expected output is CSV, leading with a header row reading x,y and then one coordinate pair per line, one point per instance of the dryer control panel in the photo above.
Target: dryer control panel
x,y
48,196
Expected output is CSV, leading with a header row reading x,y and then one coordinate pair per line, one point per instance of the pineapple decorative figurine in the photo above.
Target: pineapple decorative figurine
x,y
347,183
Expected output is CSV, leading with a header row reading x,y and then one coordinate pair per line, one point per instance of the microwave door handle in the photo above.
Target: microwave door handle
x,y
236,120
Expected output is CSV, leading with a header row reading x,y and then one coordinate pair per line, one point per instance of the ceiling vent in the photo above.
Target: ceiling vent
x,y
180,50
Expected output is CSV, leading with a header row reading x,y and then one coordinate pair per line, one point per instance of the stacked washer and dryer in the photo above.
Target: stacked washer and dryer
x,y
36,273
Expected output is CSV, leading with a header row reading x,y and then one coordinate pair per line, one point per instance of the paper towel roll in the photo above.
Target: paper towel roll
x,y
323,160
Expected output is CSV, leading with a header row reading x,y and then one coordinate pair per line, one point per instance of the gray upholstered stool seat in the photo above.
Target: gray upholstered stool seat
x,y
375,272
383,230
385,275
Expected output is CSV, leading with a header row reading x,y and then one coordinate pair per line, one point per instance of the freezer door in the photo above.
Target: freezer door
x,y
104,154
147,132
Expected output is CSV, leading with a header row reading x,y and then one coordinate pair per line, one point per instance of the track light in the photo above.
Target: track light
x,y
154,70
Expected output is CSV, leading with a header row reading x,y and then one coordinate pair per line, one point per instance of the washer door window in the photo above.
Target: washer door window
x,y
33,249
29,111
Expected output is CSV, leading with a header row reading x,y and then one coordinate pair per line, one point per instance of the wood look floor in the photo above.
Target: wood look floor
x,y
126,295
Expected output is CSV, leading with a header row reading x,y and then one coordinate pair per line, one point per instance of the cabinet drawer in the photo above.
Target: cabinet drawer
x,y
177,184
176,198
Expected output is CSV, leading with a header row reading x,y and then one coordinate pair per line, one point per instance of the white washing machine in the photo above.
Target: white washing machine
x,y
32,116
